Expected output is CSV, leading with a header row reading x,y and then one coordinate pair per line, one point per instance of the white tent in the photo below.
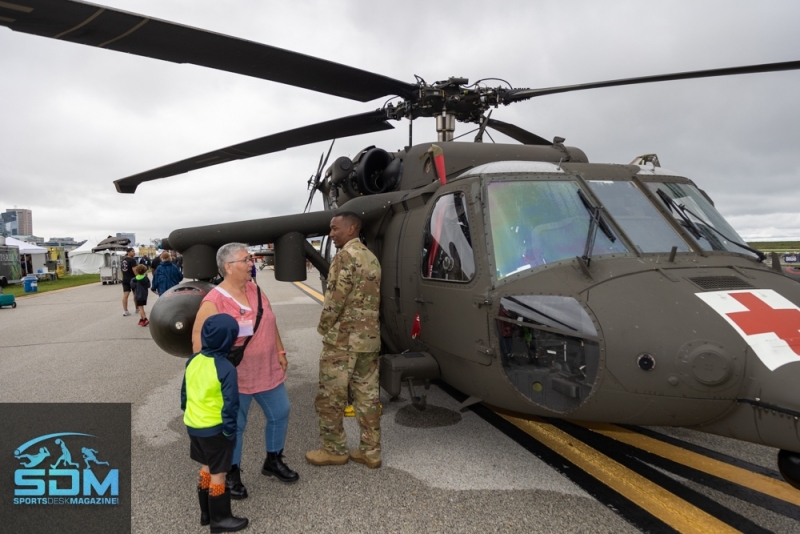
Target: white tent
x,y
24,247
83,261
38,254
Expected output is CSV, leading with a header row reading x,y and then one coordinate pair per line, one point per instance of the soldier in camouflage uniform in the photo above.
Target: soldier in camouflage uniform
x,y
350,349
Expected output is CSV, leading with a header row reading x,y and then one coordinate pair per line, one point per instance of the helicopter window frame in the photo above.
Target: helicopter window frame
x,y
701,204
603,246
453,261
641,220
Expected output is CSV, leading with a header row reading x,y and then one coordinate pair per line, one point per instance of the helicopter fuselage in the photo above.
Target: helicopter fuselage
x,y
561,288
631,336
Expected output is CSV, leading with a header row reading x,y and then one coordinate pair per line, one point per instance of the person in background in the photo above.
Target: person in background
x,y
145,260
126,266
166,276
253,269
156,261
140,284
179,261
210,402
262,371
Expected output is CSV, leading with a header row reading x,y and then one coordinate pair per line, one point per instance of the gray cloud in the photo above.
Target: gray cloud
x,y
76,118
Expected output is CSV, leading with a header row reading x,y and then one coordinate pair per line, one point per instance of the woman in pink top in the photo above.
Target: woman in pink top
x,y
263,369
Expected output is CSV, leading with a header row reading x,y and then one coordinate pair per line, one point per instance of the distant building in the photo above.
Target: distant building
x,y
68,243
17,222
128,235
33,239
9,224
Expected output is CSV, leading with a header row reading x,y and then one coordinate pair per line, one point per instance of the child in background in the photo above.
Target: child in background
x,y
210,401
140,284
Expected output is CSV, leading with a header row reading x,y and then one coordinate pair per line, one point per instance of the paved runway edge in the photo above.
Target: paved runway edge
x,y
627,509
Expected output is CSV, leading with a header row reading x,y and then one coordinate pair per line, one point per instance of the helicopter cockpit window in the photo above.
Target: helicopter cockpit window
x,y
447,246
537,222
637,217
699,217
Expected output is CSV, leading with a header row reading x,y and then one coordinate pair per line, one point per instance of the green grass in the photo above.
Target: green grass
x,y
776,246
61,283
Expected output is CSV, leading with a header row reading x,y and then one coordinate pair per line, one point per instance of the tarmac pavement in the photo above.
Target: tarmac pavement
x,y
443,471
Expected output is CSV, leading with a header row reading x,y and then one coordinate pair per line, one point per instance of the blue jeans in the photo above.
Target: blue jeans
x,y
275,404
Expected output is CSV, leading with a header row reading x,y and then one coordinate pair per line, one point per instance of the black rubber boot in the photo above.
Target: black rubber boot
x,y
202,496
274,467
233,482
222,519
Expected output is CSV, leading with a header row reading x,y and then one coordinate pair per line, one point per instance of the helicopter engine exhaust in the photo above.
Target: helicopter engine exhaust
x,y
370,173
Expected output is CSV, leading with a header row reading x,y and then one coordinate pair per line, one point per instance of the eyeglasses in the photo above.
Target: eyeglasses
x,y
245,260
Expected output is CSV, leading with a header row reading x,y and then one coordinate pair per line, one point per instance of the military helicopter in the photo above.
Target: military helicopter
x,y
522,275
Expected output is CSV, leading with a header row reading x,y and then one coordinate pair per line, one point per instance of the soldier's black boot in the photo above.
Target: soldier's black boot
x,y
233,482
274,467
202,496
222,519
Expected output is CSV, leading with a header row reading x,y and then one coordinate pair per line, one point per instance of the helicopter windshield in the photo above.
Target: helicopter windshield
x,y
637,217
539,222
693,211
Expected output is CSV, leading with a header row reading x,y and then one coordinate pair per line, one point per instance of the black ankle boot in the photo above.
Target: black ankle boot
x,y
202,496
233,482
222,519
274,467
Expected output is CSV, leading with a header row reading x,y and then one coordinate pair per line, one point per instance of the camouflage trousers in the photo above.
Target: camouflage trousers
x,y
339,369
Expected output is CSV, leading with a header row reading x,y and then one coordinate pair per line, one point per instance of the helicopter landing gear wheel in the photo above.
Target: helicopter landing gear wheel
x,y
419,402
789,466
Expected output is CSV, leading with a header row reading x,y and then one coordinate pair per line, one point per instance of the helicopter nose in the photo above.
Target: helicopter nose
x,y
769,323
705,347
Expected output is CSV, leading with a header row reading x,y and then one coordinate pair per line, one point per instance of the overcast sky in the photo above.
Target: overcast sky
x,y
76,118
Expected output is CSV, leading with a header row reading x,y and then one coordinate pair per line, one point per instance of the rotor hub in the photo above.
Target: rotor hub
x,y
452,97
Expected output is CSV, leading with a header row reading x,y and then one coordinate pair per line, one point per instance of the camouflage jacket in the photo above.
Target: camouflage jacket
x,y
349,317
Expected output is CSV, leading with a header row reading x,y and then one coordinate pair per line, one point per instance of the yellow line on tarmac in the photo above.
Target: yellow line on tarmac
x,y
666,506
317,295
755,481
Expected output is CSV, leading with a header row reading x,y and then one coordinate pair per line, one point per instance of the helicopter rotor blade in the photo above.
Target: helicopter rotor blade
x,y
374,121
314,181
103,27
319,166
311,184
515,95
328,155
515,132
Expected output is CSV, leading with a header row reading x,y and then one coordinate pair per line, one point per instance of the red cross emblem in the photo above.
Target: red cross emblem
x,y
761,318
768,322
